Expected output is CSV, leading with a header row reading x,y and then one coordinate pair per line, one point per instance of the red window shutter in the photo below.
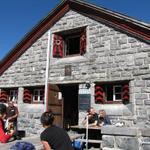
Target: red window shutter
x,y
83,43
27,96
125,93
3,96
99,94
58,46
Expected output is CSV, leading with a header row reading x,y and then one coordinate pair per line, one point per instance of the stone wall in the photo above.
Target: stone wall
x,y
29,68
111,56
125,138
29,118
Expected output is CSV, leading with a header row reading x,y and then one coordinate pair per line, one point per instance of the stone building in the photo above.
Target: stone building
x,y
79,56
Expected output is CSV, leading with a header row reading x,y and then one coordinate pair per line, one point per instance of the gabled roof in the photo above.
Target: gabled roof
x,y
121,22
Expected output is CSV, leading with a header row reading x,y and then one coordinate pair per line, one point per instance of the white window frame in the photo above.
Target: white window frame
x,y
114,92
38,91
13,95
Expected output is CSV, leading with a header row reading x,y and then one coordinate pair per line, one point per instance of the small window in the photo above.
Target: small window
x,y
33,95
13,95
112,92
38,95
72,45
68,43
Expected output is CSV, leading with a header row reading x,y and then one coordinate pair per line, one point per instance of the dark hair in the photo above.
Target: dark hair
x,y
47,118
89,110
2,108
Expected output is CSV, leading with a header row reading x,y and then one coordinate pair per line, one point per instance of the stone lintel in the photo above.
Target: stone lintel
x,y
145,132
123,131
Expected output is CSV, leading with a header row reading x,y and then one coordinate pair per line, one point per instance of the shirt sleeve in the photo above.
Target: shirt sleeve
x,y
43,137
3,136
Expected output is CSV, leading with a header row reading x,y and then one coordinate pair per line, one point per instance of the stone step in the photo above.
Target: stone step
x,y
105,148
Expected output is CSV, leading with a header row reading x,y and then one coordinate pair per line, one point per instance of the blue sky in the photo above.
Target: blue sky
x,y
18,17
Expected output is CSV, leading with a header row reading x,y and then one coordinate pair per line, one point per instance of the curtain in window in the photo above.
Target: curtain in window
x,y
83,43
27,96
58,46
125,93
3,96
99,94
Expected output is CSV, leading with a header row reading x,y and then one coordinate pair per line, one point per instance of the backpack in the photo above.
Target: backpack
x,y
22,145
77,145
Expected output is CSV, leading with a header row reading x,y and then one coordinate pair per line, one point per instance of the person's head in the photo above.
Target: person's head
x,y
102,113
47,118
2,111
91,111
10,103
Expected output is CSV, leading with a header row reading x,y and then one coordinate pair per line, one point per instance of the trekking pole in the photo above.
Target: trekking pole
x,y
87,124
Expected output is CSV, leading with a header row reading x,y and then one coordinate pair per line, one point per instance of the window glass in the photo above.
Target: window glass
x,y
117,92
38,95
13,95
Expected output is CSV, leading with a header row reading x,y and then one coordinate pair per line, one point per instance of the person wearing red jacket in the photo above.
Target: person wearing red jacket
x,y
4,136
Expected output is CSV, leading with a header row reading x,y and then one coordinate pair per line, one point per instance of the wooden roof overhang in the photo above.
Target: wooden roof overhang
x,y
120,22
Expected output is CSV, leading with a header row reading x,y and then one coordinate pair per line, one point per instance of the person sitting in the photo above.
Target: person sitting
x,y
92,117
4,136
54,137
103,119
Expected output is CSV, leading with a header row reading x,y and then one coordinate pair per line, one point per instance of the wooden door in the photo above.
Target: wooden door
x,y
55,104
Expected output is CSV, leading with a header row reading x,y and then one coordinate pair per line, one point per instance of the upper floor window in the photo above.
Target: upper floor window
x,y
112,92
71,42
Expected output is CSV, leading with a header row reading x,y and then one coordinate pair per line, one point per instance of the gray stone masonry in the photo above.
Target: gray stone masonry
x,y
113,130
29,68
120,142
110,56
29,118
125,138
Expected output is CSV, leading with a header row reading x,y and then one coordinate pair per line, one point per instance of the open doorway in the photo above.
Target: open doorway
x,y
70,103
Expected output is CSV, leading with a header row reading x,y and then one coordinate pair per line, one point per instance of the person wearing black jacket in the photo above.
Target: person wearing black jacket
x,y
92,117
54,137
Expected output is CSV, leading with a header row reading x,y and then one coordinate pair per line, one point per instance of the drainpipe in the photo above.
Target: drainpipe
x,y
47,70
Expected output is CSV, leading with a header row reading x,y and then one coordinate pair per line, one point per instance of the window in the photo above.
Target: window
x,y
13,95
38,95
68,43
33,95
112,92
72,45
8,95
